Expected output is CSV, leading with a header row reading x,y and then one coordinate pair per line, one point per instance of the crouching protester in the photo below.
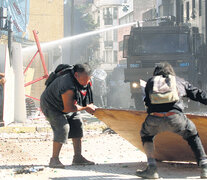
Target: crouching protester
x,y
67,93
164,92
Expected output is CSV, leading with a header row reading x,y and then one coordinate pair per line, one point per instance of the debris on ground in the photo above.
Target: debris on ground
x,y
25,156
108,131
28,170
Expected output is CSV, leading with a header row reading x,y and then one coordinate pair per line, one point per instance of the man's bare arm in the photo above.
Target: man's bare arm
x,y
70,105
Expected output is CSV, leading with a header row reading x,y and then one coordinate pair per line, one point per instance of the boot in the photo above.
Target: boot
x,y
80,160
204,170
55,163
197,148
149,173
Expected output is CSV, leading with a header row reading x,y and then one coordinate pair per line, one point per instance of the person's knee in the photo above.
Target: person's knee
x,y
77,124
61,134
190,130
194,140
76,128
192,137
147,139
190,134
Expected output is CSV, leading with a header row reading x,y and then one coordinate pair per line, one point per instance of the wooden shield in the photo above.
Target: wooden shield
x,y
168,146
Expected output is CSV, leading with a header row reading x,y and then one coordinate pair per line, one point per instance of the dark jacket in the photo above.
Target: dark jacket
x,y
185,89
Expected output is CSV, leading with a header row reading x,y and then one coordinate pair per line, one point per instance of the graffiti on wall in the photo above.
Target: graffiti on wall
x,y
18,10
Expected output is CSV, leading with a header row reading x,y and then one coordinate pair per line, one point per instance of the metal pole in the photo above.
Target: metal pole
x,y
178,12
71,29
72,18
205,14
40,52
10,37
25,13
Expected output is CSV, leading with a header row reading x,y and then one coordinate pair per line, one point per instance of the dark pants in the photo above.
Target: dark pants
x,y
64,126
178,124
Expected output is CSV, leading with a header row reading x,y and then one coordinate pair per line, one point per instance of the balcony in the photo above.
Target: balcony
x,y
108,20
108,2
108,44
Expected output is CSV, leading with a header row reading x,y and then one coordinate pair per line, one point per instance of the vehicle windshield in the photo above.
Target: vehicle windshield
x,y
160,43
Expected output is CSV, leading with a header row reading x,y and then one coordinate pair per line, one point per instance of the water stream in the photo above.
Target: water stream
x,y
75,37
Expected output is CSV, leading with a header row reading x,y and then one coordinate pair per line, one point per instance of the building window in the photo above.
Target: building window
x,y
200,7
121,45
108,40
98,21
193,4
187,11
108,21
108,44
115,56
108,56
108,36
115,35
181,13
107,15
115,14
193,9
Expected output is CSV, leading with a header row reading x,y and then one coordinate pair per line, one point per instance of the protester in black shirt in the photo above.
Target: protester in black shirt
x,y
61,102
164,92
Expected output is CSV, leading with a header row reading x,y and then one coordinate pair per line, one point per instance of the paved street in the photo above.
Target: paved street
x,y
115,157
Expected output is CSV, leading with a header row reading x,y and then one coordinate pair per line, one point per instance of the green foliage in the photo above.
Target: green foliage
x,y
87,18
83,22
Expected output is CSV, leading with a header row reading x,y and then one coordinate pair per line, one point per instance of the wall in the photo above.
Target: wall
x,y
136,9
108,41
198,20
141,6
46,17
124,18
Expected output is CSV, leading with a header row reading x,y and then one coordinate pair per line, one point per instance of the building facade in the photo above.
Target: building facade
x,y
134,13
46,17
166,8
193,12
126,15
105,14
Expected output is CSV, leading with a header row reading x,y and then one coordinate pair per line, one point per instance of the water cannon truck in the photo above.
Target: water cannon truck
x,y
179,45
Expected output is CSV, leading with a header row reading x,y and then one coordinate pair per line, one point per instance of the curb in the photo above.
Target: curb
x,y
22,129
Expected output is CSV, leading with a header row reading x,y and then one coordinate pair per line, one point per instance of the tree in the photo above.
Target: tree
x,y
82,49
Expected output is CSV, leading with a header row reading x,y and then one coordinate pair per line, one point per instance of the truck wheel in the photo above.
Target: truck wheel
x,y
138,101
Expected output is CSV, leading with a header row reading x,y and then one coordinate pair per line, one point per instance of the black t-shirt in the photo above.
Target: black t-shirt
x,y
52,95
